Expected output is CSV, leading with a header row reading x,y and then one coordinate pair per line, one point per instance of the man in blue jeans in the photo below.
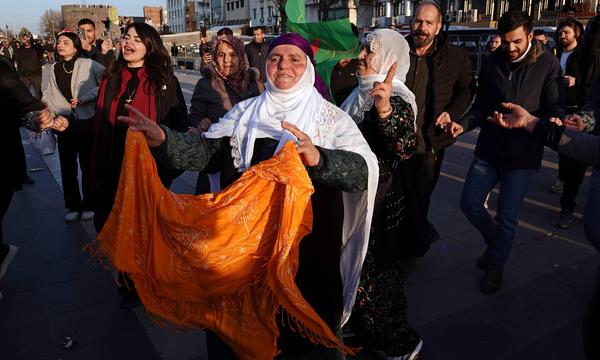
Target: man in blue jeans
x,y
521,72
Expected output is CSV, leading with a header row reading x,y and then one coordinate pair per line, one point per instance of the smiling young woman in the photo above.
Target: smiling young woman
x,y
142,76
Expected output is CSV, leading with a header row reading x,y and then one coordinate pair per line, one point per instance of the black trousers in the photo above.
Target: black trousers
x,y
36,82
571,173
76,143
426,168
5,199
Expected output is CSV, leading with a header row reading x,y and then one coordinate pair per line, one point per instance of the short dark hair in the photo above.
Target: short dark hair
x,y
572,24
86,21
514,19
539,32
225,31
261,28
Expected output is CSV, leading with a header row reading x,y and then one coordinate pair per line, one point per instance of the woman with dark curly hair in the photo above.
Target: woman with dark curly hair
x,y
142,77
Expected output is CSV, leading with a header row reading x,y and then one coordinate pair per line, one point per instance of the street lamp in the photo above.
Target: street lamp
x,y
53,32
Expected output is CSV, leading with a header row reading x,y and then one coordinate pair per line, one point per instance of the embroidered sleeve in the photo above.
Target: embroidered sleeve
x,y
398,130
185,151
343,170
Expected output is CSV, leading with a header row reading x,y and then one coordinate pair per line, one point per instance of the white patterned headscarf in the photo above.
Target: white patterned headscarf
x,y
389,47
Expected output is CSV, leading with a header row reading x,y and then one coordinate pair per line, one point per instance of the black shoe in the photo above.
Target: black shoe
x,y
564,219
28,180
492,279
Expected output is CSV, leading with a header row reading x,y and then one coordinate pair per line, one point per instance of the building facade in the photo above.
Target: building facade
x,y
154,16
264,13
176,15
97,13
236,10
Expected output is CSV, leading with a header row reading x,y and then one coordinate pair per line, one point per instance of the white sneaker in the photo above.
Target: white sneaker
x,y
10,255
412,356
87,215
71,216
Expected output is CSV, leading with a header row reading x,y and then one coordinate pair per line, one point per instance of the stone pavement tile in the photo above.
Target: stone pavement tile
x,y
439,294
530,311
451,251
449,225
27,339
91,289
177,345
24,306
461,336
560,344
67,269
21,279
577,279
121,345
95,322
544,254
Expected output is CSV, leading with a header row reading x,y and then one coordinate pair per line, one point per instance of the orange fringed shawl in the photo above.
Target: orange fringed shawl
x,y
224,261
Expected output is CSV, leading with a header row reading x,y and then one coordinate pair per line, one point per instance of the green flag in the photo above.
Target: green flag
x,y
331,41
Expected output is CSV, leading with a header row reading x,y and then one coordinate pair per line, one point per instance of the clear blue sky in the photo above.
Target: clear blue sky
x,y
26,13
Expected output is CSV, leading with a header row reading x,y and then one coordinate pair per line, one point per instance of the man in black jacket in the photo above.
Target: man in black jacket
x,y
100,50
29,64
570,172
441,78
523,73
257,52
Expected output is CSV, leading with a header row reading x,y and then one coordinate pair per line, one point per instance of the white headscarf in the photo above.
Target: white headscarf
x,y
328,127
389,47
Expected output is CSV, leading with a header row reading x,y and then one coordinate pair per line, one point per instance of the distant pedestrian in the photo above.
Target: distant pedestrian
x,y
257,51
29,64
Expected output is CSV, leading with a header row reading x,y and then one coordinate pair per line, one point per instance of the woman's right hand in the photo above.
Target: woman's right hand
x,y
139,122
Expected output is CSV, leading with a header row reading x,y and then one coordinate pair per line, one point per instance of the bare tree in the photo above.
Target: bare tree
x,y
51,22
280,5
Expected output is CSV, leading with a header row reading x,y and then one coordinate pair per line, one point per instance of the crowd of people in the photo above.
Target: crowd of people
x,y
372,146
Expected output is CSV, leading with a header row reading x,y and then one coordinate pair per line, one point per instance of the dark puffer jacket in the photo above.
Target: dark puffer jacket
x,y
451,88
536,84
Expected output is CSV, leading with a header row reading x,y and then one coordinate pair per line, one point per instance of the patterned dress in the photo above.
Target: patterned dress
x,y
379,315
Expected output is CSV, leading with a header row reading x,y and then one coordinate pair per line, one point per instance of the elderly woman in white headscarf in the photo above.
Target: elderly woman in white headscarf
x,y
385,111
340,163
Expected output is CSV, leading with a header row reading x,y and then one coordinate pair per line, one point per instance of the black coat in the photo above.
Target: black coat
x,y
15,102
575,95
451,89
536,84
257,57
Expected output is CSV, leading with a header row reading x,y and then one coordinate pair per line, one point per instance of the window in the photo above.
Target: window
x,y
242,3
237,4
254,12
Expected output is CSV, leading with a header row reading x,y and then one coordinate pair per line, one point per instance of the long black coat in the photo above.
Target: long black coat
x,y
15,102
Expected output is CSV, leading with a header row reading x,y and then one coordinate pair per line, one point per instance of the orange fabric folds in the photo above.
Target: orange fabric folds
x,y
223,261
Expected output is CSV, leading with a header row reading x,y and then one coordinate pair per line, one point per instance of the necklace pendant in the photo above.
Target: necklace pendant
x,y
129,101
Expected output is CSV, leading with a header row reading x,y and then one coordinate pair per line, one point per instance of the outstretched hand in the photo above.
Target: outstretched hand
x,y
518,118
309,154
139,122
382,92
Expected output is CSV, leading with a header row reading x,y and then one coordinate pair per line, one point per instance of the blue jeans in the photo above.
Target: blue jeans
x,y
481,179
